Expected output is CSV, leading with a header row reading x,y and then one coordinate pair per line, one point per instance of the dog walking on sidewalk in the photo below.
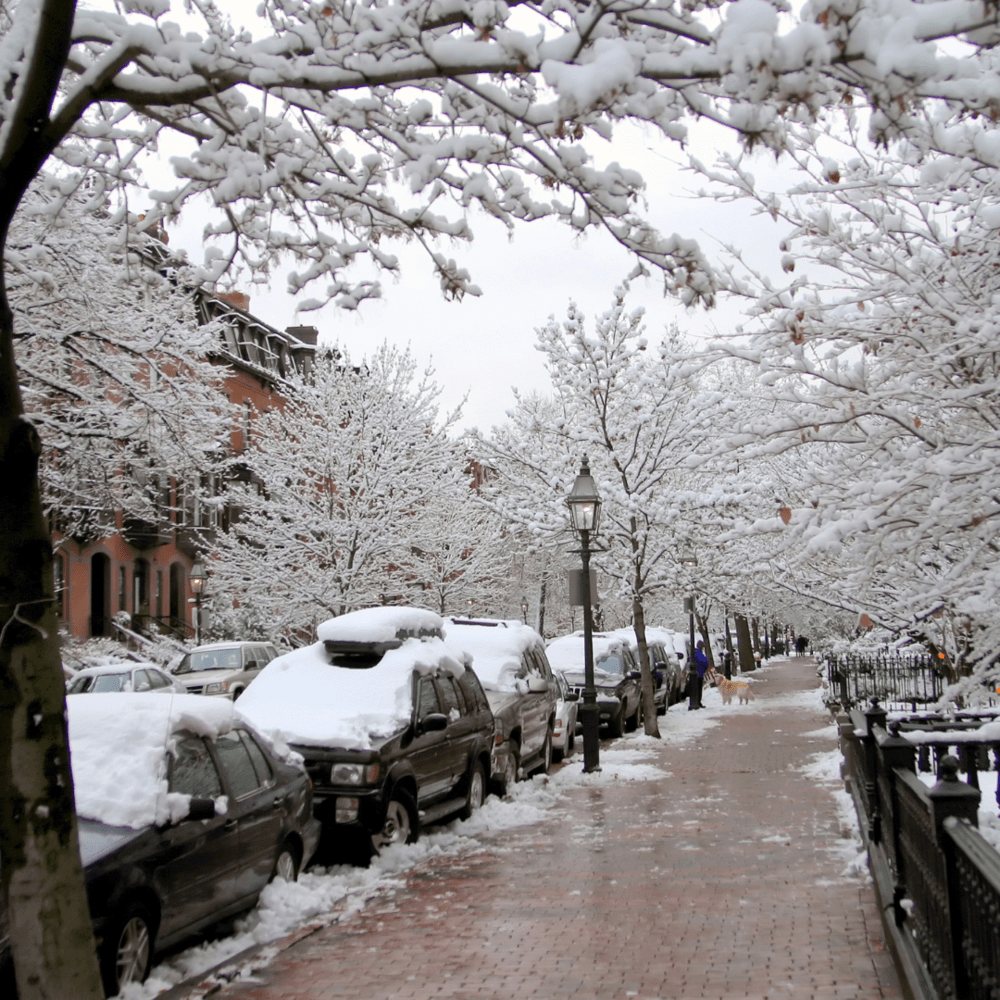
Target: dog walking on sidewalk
x,y
729,688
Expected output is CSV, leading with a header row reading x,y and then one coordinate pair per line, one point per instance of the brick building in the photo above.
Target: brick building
x,y
142,567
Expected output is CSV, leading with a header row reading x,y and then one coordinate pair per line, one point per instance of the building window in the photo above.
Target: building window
x,y
159,593
247,414
121,588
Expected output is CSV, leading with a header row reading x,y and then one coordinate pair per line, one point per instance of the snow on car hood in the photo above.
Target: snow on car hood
x,y
301,698
118,746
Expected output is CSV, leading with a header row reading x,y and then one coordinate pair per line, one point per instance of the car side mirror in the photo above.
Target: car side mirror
x,y
634,675
659,665
201,809
252,665
680,656
537,685
433,723
571,696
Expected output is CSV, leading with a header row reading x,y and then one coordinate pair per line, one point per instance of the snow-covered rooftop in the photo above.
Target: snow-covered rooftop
x,y
118,745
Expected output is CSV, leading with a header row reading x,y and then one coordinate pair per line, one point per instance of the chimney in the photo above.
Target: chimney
x,y
239,299
304,334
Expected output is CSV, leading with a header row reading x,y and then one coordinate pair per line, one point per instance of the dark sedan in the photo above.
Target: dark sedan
x,y
185,815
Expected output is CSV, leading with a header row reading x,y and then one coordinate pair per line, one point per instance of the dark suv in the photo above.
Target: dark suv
x,y
393,724
616,676
509,658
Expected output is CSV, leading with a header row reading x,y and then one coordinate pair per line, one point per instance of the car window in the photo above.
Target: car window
x,y
157,680
427,703
449,698
236,764
80,684
473,691
141,681
192,770
611,663
260,654
261,766
112,682
271,652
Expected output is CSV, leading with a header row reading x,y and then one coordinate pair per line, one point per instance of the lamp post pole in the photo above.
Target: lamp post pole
x,y
197,579
585,509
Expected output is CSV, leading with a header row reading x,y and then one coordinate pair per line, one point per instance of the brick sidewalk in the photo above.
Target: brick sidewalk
x,y
721,881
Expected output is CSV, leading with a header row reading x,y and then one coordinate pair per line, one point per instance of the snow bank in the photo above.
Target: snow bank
x,y
118,746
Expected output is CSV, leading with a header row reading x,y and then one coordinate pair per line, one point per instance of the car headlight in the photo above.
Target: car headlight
x,y
216,687
354,774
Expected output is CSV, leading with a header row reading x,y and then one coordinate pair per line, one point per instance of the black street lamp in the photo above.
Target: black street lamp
x,y
197,576
524,609
585,512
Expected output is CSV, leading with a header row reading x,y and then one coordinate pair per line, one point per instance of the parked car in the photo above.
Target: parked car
x,y
125,676
564,731
509,658
184,815
616,677
224,669
393,724
662,663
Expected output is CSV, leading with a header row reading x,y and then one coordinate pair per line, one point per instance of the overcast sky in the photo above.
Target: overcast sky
x,y
481,347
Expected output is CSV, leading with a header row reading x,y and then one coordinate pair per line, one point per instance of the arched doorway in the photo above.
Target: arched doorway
x,y
100,594
176,596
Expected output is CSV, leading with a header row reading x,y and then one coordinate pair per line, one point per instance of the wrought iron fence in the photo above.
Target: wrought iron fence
x,y
896,680
933,871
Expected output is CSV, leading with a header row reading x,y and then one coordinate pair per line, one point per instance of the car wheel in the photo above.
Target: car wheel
x,y
476,791
127,951
506,780
237,693
546,752
557,755
632,722
616,725
287,864
400,826
570,743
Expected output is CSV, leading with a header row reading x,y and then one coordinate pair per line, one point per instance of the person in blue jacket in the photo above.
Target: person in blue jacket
x,y
697,678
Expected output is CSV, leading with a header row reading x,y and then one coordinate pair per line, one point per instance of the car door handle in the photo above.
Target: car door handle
x,y
230,824
277,801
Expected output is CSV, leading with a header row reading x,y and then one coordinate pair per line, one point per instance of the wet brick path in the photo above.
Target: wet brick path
x,y
720,881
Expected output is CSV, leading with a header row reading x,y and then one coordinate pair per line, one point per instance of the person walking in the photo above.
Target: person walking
x,y
697,677
800,645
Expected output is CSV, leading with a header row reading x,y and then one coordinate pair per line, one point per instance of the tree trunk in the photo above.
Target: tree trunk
x,y
743,643
650,722
41,877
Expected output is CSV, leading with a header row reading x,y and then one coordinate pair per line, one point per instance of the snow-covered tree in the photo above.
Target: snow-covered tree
x,y
113,366
345,481
880,359
299,136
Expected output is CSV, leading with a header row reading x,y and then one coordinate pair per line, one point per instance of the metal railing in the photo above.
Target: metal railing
x,y
937,878
896,680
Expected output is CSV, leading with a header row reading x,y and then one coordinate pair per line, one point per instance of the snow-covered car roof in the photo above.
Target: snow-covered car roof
x,y
566,652
380,625
654,633
121,667
232,644
496,648
118,745
304,698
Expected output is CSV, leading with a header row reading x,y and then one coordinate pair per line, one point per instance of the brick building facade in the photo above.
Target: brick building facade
x,y
141,567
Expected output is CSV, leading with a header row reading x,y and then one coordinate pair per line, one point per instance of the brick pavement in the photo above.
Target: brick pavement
x,y
720,881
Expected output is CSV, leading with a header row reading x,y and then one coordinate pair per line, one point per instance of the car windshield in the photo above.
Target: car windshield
x,y
95,684
211,659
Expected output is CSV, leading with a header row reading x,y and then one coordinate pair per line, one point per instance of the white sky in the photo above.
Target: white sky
x,y
481,347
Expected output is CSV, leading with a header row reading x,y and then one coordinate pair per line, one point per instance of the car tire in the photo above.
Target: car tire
x,y
127,951
557,755
616,724
400,825
505,781
570,743
632,722
286,865
546,764
475,791
237,693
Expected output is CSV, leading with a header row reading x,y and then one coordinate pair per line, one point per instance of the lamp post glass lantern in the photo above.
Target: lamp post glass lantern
x,y
585,513
524,609
197,578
